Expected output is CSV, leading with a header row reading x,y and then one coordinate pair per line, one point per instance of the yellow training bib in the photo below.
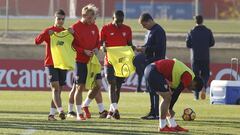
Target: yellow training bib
x,y
93,67
121,58
63,54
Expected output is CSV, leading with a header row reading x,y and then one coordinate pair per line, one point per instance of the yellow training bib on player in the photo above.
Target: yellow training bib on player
x,y
121,57
93,67
178,69
63,54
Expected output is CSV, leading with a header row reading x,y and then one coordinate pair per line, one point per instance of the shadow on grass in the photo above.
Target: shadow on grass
x,y
37,121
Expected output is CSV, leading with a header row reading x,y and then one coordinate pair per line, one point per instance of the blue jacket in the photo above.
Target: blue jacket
x,y
200,39
156,44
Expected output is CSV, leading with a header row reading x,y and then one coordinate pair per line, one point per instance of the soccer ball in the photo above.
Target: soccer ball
x,y
188,114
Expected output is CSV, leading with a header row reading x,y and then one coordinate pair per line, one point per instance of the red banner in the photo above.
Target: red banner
x,y
31,75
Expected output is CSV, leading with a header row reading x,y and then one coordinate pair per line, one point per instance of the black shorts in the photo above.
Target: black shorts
x,y
155,81
81,73
109,71
56,74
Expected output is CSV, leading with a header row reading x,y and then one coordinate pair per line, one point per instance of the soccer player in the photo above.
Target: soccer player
x,y
56,76
168,78
94,93
86,42
114,34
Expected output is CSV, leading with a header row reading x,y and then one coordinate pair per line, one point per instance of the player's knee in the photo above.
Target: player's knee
x,y
166,96
111,81
80,87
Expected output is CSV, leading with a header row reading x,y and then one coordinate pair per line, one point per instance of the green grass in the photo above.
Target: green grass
x,y
26,112
172,26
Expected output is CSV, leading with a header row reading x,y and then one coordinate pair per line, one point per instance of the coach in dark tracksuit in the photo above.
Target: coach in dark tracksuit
x,y
200,39
154,49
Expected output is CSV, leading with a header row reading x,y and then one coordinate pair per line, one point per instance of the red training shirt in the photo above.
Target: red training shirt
x,y
115,36
165,67
86,37
45,37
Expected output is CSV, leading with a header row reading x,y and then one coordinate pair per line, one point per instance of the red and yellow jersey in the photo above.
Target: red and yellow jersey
x,y
166,68
115,36
45,37
86,37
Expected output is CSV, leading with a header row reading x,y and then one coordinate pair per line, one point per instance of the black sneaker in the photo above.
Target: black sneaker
x,y
62,116
116,115
51,118
72,114
150,117
103,114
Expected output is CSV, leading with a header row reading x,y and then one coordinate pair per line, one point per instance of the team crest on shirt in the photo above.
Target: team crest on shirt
x,y
112,34
124,34
93,32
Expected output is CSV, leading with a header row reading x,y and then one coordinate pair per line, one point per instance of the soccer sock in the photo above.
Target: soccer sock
x,y
60,109
162,123
52,111
79,109
70,107
100,107
87,102
110,108
172,122
114,106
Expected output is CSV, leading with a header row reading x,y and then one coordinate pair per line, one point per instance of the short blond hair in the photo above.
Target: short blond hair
x,y
89,8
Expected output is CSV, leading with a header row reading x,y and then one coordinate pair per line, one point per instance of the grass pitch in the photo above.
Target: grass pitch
x,y
171,26
23,112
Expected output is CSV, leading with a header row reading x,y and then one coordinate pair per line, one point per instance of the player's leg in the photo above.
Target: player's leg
x,y
196,70
53,75
205,73
109,71
94,93
62,82
152,94
99,100
156,83
119,82
171,119
71,113
80,87
51,116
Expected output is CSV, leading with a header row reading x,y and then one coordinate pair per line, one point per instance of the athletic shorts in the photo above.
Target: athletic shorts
x,y
56,74
109,71
154,80
81,73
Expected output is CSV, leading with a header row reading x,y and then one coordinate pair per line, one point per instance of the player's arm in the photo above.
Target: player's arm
x,y
157,45
102,39
189,40
129,40
212,40
42,37
175,95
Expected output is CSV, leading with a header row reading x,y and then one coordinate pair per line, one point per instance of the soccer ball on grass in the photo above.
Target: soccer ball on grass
x,y
188,114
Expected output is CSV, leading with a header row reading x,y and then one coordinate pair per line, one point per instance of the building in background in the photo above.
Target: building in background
x,y
168,9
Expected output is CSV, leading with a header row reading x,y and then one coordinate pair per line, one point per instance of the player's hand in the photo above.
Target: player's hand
x,y
140,48
95,51
88,53
50,32
71,30
104,49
